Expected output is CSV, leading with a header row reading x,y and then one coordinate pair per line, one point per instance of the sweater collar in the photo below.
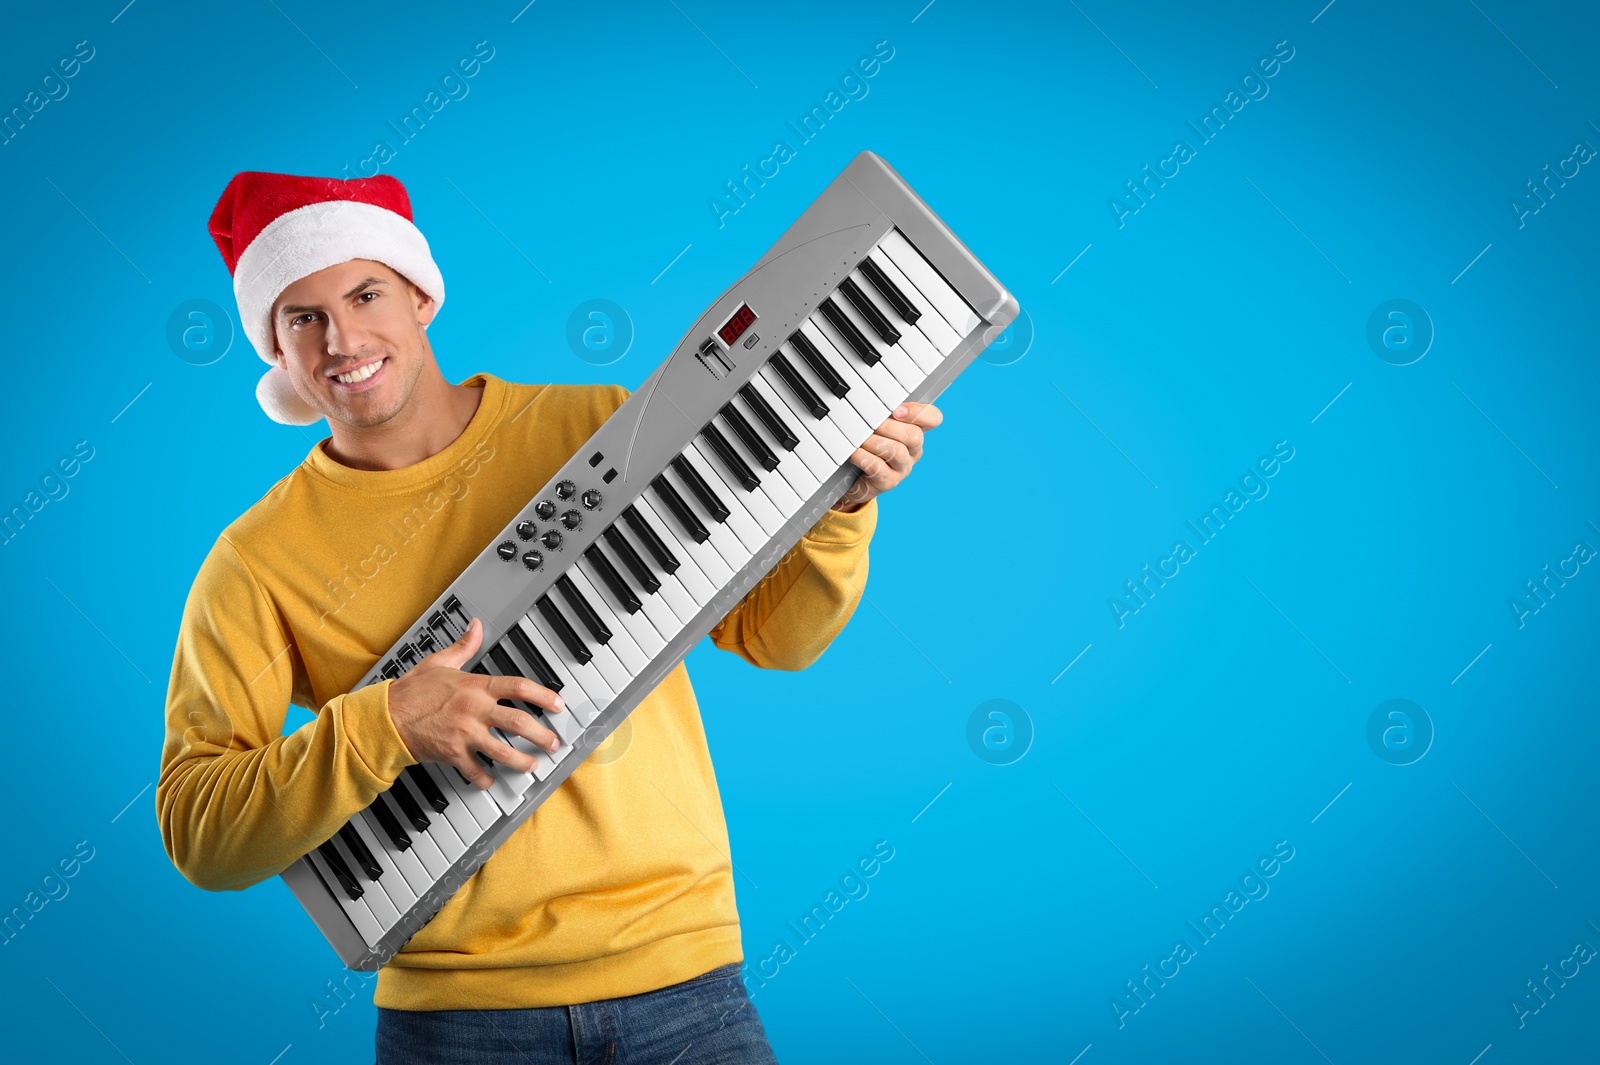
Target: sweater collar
x,y
408,478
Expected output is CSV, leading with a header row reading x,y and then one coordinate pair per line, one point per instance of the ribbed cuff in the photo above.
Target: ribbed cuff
x,y
838,528
365,720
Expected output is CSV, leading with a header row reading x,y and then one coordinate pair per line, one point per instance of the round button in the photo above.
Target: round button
x,y
532,559
526,529
566,489
551,539
591,498
572,519
507,551
545,509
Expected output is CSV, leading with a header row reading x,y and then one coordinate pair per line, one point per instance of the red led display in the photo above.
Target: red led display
x,y
736,325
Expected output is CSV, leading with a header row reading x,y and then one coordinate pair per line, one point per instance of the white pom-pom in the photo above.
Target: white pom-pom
x,y
275,392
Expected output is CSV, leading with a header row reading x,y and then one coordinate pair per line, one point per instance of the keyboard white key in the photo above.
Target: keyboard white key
x,y
863,395
774,486
634,659
604,643
720,554
920,350
407,861
426,848
441,829
585,693
754,503
636,623
869,393
612,677
522,665
798,482
842,414
951,307
669,589
392,882
931,324
652,605
672,591
470,810
372,895
825,431
360,914
899,363
806,451
693,557
723,540
739,519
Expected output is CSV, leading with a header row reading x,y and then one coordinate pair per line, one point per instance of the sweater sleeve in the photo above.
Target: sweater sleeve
x,y
791,616
238,801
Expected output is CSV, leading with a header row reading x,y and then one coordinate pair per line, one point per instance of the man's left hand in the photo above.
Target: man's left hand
x,y
886,458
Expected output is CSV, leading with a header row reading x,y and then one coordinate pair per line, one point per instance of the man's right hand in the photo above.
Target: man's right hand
x,y
444,715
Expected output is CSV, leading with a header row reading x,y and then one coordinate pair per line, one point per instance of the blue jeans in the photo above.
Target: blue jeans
x,y
708,1020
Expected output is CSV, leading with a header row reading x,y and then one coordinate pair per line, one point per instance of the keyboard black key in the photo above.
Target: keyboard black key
x,y
504,664
747,435
889,291
652,543
714,506
797,385
427,788
876,319
542,673
680,510
584,609
613,579
391,824
853,337
409,808
775,425
630,558
730,458
564,630
819,366
341,871
358,850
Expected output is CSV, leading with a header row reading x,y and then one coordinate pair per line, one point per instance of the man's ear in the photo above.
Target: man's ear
x,y
425,306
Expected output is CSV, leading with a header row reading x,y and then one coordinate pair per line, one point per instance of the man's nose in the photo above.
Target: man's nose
x,y
345,334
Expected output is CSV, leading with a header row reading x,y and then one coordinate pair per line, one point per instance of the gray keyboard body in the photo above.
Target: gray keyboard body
x,y
867,203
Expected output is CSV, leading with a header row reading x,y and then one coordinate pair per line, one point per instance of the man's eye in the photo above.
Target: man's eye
x,y
364,295
299,318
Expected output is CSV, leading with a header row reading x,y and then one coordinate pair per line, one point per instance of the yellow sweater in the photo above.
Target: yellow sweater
x,y
621,882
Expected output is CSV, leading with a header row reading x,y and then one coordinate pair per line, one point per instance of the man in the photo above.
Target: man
x,y
605,926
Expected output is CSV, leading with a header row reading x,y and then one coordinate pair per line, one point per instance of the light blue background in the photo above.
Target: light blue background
x,y
1223,317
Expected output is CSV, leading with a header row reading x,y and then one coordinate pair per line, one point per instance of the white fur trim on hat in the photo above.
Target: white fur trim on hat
x,y
298,243
275,392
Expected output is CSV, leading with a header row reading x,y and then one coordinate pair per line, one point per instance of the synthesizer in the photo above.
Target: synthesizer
x,y
688,494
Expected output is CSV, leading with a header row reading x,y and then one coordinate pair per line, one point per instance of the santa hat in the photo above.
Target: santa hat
x,y
274,229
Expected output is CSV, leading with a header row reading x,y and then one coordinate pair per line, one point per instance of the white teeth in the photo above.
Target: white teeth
x,y
362,374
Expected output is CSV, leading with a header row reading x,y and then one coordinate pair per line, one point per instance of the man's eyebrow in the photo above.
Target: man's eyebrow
x,y
365,283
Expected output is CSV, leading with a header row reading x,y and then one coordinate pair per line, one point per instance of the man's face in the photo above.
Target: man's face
x,y
357,319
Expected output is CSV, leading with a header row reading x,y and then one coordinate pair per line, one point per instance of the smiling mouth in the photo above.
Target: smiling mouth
x,y
360,374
